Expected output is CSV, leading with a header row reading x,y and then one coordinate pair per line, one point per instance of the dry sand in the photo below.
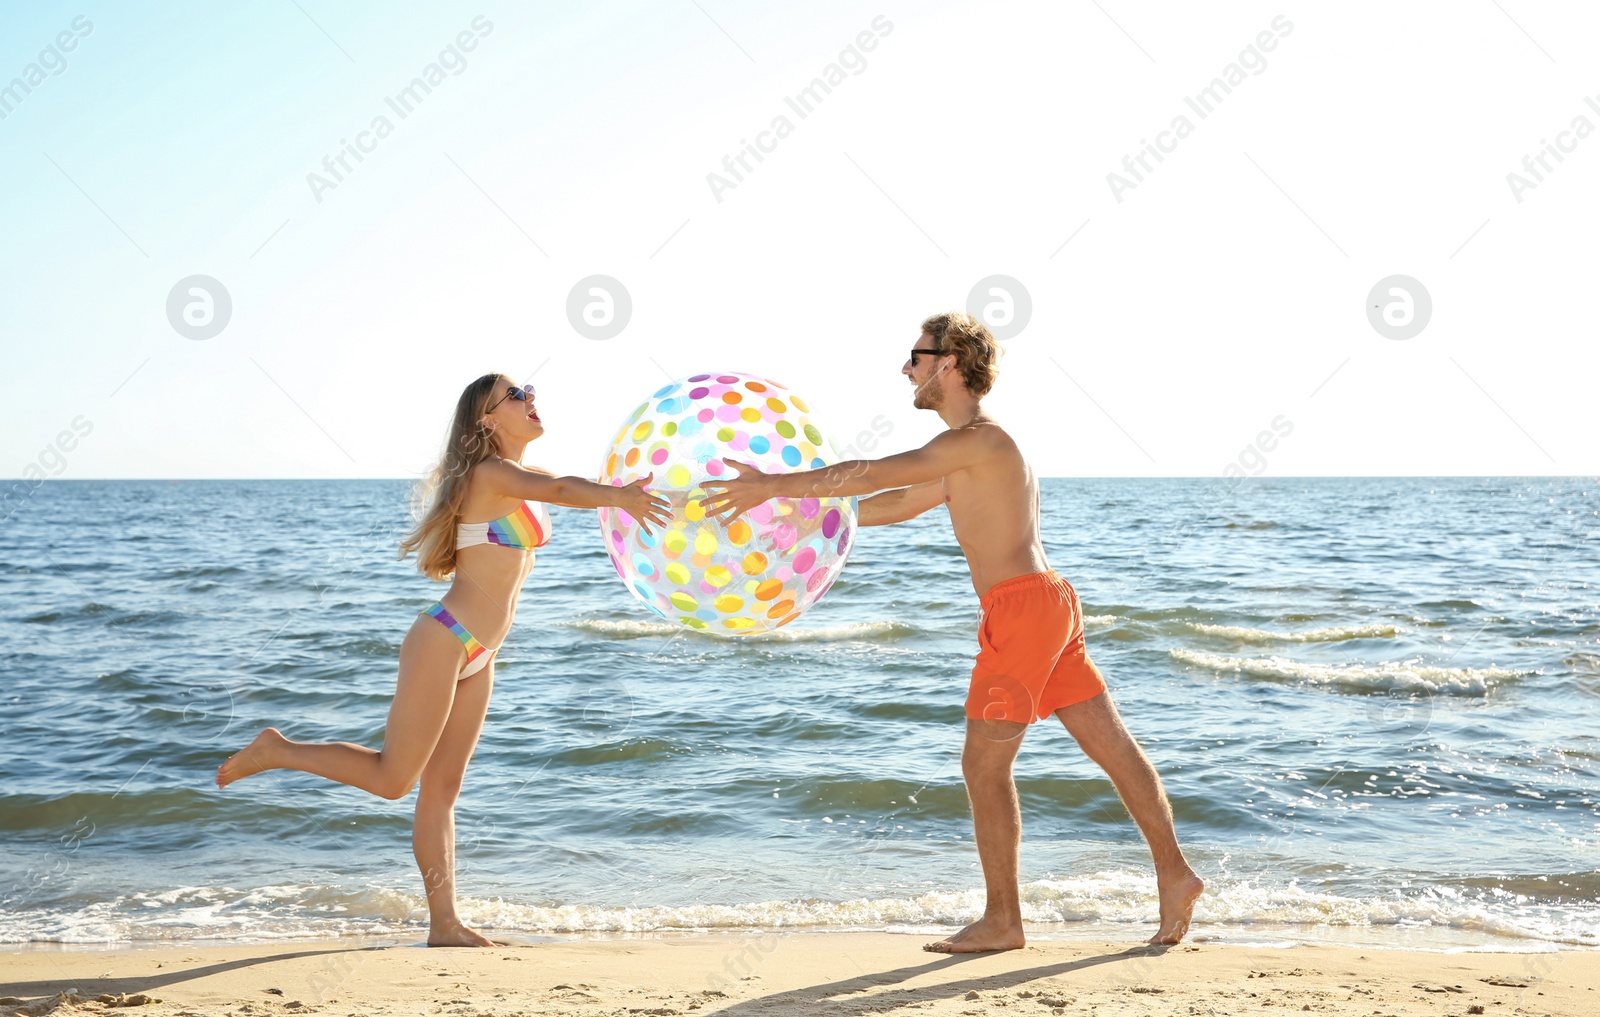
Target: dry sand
x,y
800,973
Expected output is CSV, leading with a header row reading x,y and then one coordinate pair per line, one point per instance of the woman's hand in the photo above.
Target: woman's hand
x,y
642,505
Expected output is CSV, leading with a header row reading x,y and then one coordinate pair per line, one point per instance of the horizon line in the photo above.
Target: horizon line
x,y
1185,476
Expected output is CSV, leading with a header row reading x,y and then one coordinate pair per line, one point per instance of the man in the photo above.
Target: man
x,y
1031,660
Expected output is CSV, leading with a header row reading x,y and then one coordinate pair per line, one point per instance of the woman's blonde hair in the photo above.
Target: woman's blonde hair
x,y
437,499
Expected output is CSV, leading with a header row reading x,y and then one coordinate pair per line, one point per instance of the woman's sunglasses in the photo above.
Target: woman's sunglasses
x,y
521,395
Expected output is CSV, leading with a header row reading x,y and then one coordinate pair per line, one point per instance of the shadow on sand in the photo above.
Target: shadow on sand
x,y
828,998
93,986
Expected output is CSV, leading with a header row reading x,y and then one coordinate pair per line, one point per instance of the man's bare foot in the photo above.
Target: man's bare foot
x,y
456,934
261,754
981,936
1178,895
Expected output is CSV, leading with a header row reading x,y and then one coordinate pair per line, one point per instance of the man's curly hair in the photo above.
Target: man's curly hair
x,y
976,351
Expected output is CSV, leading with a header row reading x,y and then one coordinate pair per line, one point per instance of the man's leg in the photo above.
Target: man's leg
x,y
1099,731
986,760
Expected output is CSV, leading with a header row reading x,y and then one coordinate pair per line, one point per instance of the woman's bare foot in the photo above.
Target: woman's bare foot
x,y
1178,895
457,934
263,753
981,936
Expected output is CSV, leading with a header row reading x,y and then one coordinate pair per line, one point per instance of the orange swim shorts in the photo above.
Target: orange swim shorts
x,y
1031,657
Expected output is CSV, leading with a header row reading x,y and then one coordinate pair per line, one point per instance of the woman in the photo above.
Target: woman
x,y
446,660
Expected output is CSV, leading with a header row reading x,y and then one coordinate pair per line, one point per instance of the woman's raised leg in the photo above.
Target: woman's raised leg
x,y
433,838
430,659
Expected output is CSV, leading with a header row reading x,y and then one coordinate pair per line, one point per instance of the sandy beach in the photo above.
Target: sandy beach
x,y
800,973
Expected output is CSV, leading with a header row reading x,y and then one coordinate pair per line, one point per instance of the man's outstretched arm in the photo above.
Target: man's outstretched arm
x,y
950,451
900,505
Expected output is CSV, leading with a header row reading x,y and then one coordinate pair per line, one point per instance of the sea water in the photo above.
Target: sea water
x,y
1373,702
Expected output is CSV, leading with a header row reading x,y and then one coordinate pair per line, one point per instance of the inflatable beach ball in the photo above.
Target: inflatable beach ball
x,y
767,566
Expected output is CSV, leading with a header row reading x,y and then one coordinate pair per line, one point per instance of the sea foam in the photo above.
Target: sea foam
x,y
1335,634
873,631
1406,676
1112,899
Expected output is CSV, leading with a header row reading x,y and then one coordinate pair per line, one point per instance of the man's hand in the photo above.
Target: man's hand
x,y
731,497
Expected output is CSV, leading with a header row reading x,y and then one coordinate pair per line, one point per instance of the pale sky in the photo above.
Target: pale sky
x,y
1226,290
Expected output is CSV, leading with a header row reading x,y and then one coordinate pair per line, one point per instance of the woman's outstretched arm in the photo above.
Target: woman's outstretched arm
x,y
575,492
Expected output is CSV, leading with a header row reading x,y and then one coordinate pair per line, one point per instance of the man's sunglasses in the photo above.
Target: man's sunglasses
x,y
521,395
914,353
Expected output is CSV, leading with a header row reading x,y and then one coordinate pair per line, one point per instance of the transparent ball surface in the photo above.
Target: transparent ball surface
x,y
763,569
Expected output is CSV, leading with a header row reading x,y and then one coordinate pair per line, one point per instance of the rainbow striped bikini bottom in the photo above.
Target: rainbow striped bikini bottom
x,y
477,654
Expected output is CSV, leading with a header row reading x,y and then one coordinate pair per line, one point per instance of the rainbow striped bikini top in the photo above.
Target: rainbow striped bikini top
x,y
525,529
